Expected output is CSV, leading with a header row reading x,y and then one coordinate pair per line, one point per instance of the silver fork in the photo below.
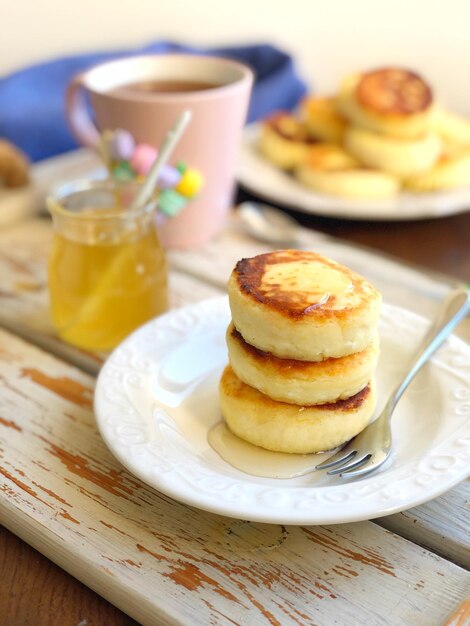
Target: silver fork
x,y
370,448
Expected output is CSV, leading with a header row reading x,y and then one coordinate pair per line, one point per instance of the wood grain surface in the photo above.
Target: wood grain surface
x,y
24,309
441,525
441,244
163,562
196,567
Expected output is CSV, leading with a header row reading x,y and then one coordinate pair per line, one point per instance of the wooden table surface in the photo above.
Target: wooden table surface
x,y
420,561
442,245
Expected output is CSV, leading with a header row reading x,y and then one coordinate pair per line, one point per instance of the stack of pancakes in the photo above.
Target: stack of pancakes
x,y
303,348
382,132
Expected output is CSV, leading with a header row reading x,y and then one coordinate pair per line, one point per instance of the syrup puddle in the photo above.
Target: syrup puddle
x,y
257,461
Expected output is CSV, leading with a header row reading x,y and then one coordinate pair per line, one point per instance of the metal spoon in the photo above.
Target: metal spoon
x,y
270,225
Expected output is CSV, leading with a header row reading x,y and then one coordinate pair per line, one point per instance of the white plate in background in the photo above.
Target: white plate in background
x,y
262,178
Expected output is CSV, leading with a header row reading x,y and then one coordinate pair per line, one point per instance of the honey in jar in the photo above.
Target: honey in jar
x,y
107,271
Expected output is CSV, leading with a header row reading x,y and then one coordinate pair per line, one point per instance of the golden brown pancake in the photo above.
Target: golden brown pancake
x,y
451,126
392,100
327,168
393,91
321,119
284,140
282,427
394,155
300,305
448,173
329,157
301,382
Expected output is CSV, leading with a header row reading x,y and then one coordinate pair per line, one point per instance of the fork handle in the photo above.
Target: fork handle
x,y
451,312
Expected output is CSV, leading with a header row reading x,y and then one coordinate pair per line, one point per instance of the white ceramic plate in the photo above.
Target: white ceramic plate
x,y
156,399
265,180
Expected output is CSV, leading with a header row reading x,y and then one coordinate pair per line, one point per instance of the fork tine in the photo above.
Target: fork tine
x,y
354,463
340,457
370,465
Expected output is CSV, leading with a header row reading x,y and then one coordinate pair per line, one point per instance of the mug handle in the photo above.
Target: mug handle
x,y
77,114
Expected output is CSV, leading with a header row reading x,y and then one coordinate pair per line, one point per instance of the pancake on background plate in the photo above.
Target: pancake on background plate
x,y
394,155
328,168
321,119
449,172
391,100
284,140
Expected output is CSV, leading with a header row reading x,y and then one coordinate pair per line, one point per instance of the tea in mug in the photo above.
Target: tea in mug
x,y
163,86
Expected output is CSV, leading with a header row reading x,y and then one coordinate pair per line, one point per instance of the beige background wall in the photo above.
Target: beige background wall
x,y
329,37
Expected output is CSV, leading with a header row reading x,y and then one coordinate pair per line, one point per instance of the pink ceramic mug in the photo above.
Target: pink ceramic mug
x,y
210,143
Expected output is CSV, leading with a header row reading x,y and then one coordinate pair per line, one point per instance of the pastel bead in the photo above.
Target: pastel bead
x,y
143,158
121,145
169,177
170,202
123,171
190,183
181,167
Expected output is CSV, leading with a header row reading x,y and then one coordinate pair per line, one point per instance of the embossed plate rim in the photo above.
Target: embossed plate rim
x,y
181,474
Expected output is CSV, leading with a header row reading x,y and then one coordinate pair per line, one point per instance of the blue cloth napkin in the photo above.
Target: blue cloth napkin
x,y
32,100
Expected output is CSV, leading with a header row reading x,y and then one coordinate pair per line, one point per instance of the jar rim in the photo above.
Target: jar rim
x,y
54,201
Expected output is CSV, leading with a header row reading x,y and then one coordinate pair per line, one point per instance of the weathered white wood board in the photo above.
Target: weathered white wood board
x,y
441,525
166,563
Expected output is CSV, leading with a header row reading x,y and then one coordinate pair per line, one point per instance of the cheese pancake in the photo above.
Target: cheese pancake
x,y
282,427
448,173
329,157
284,140
451,126
301,305
301,382
392,100
397,156
329,169
322,119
